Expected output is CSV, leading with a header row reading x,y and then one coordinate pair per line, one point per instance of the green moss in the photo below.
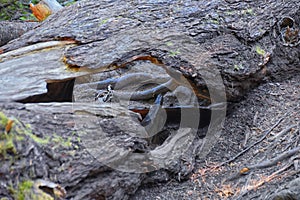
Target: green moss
x,y
7,144
248,11
70,2
23,190
3,120
169,44
230,13
61,141
68,143
35,138
214,21
238,67
19,133
26,190
39,140
260,51
104,21
7,140
174,53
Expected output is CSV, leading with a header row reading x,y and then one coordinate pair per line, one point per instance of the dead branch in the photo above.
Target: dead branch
x,y
274,161
265,164
283,132
252,145
276,139
264,180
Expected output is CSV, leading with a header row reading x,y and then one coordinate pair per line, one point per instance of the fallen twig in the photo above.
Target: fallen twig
x,y
275,139
252,145
283,132
263,181
275,160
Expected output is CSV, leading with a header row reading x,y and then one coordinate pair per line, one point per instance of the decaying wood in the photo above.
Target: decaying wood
x,y
218,50
209,51
69,164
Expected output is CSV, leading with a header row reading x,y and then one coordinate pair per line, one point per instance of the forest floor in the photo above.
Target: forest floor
x,y
268,117
267,122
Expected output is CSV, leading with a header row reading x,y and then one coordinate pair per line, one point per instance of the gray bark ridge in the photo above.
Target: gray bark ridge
x,y
12,30
231,34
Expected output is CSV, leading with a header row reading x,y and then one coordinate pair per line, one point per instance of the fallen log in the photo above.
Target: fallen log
x,y
53,153
216,50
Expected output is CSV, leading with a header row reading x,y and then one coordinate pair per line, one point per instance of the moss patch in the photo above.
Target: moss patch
x,y
23,189
7,140
27,190
7,144
3,120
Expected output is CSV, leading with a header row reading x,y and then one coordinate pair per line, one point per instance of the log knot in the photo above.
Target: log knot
x,y
289,32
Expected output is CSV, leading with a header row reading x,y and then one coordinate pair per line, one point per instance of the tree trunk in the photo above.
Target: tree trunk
x,y
216,51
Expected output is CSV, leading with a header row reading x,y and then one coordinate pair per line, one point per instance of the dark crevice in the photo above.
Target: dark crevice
x,y
57,91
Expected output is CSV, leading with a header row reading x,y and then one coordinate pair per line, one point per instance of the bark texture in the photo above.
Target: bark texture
x,y
227,34
219,49
13,30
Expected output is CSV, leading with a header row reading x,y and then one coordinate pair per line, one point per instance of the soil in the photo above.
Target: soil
x,y
257,113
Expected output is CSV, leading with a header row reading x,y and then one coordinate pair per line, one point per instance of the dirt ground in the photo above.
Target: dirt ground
x,y
272,104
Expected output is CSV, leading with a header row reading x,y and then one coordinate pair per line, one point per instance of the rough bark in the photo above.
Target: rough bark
x,y
227,47
227,32
13,30
60,158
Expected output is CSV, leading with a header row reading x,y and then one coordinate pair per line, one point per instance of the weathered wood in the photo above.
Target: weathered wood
x,y
227,36
33,77
13,30
226,47
61,158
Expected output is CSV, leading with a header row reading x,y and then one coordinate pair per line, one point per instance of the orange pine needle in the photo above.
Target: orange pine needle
x,y
9,125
